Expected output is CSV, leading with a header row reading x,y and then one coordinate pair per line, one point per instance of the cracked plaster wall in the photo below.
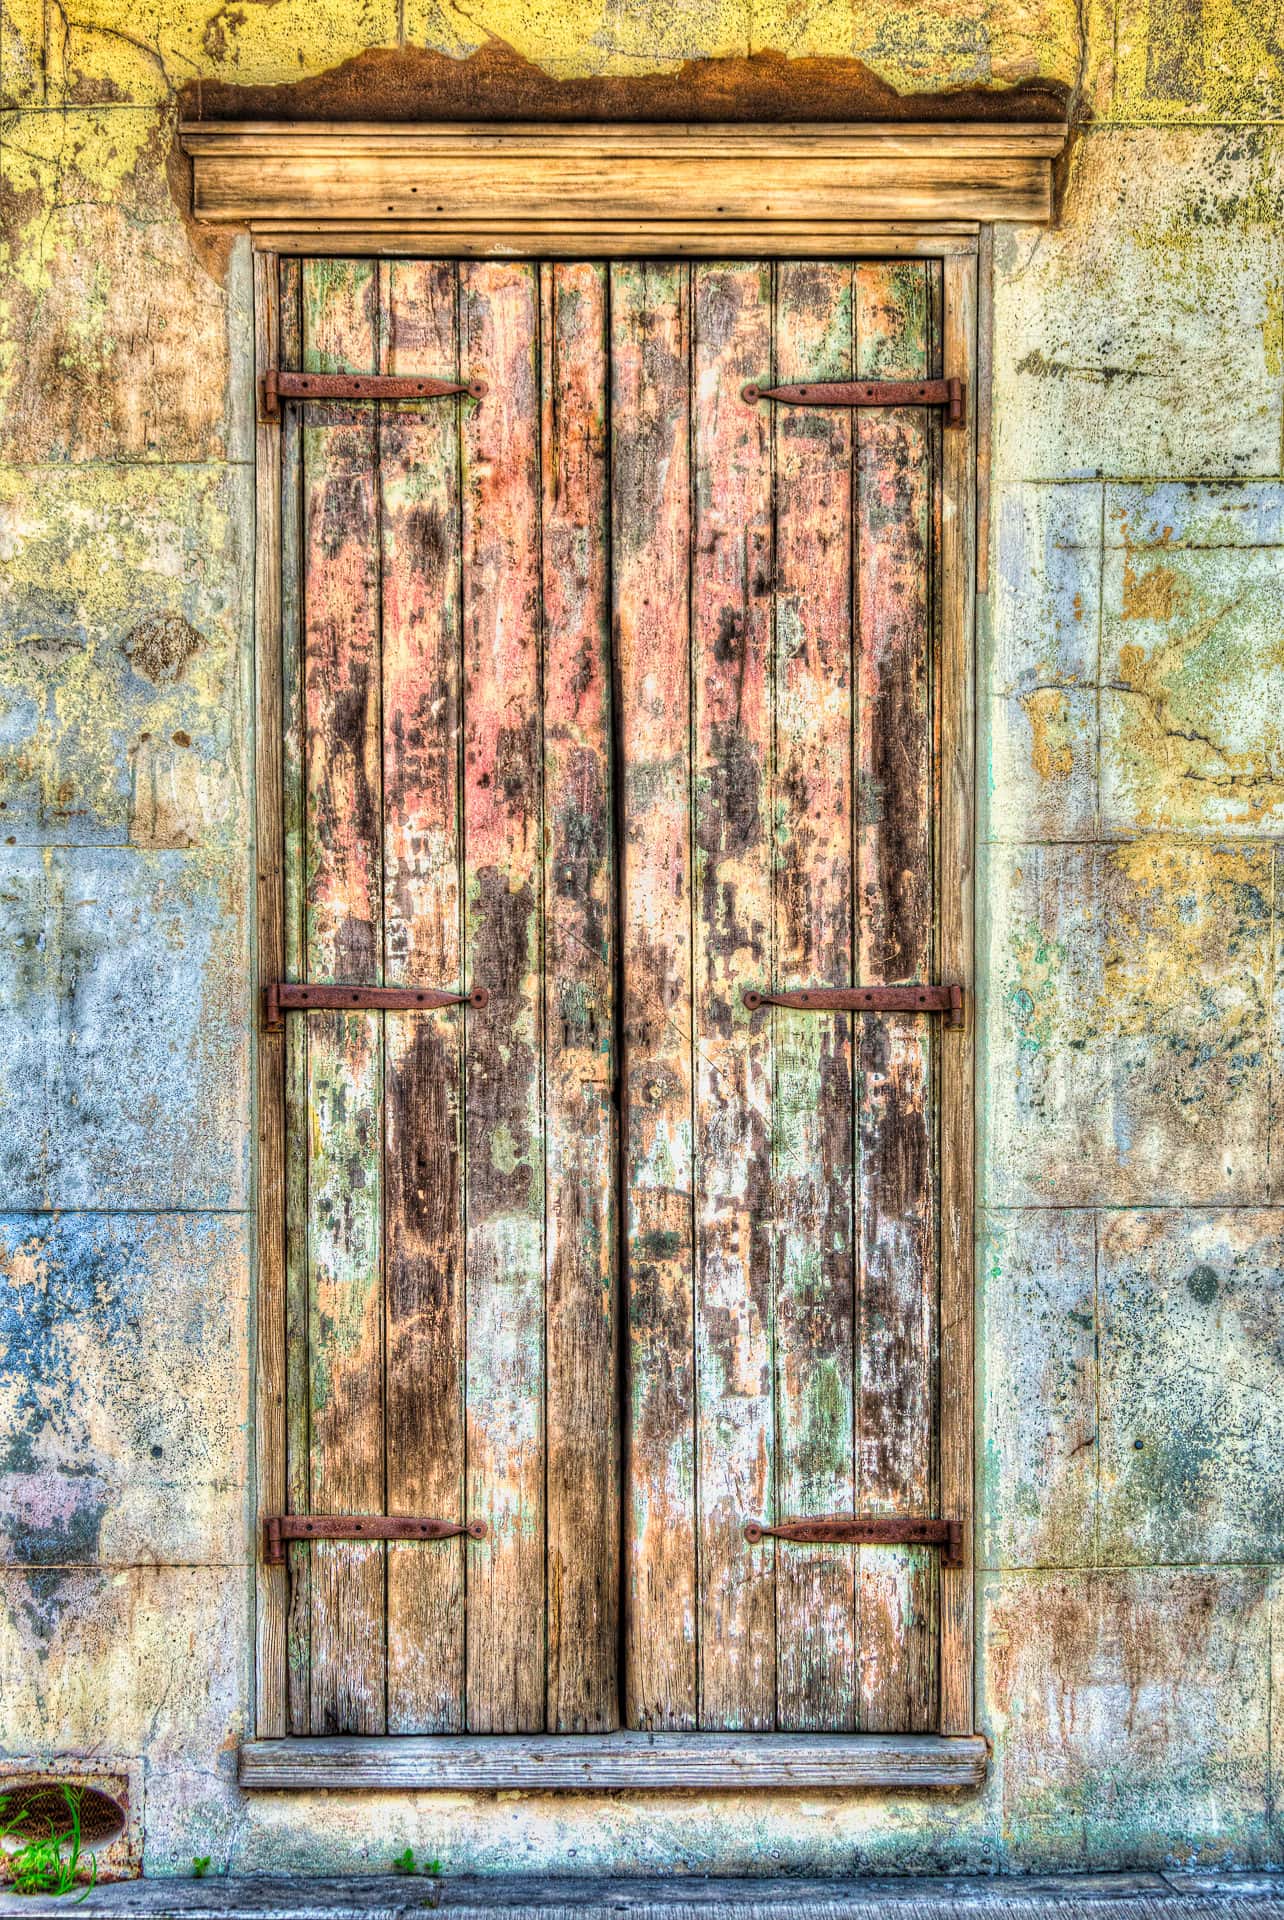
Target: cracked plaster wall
x,y
1131,1364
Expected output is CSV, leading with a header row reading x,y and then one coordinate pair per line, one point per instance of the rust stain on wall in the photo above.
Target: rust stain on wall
x,y
498,83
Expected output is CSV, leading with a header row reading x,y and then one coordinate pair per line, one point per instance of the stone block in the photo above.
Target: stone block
x,y
1046,587
1192,1387
22,78
152,1075
1130,1714
1138,337
1194,513
124,655
1192,644
1040,754
1038,1388
1124,1056
127,334
136,1660
124,1389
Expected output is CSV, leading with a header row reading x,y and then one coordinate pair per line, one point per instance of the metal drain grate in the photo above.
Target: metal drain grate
x,y
39,1809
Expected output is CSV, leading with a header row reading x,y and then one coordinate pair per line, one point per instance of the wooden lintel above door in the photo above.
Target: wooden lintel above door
x,y
620,190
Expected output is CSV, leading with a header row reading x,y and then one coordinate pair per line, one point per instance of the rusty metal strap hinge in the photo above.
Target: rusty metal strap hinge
x,y
867,393
278,1528
913,999
865,1530
277,385
290,996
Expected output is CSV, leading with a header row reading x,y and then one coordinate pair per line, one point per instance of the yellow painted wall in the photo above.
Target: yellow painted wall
x,y
1131,1386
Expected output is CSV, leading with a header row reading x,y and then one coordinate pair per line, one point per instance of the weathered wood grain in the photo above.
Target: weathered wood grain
x,y
955,699
732,725
298,1470
812,907
451,817
650,348
423,1100
583,1428
503,820
893,894
603,191
272,1583
344,942
621,1762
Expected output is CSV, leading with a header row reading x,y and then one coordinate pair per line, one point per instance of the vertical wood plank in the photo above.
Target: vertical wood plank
x,y
579,1011
499,317
423,1108
815,1386
271,1593
732,778
650,429
894,897
976,327
955,868
344,942
298,1385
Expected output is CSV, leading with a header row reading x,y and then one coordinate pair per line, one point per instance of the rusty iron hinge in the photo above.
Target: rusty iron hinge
x,y
916,999
865,1530
277,385
280,1527
291,996
867,393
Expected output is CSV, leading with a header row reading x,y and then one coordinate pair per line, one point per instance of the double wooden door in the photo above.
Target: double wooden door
x,y
611,693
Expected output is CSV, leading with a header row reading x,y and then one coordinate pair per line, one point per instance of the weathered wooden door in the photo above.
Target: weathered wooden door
x,y
610,693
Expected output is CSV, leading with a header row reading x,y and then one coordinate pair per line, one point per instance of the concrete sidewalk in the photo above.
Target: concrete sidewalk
x,y
1119,1896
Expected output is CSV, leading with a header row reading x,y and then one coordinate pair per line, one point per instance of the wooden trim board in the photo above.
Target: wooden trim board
x,y
955,859
612,1763
675,1761
271,1596
536,191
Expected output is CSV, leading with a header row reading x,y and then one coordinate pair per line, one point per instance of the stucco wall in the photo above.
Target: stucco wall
x,y
1130,1353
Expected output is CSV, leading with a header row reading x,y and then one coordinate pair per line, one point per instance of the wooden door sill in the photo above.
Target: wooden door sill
x,y
612,1762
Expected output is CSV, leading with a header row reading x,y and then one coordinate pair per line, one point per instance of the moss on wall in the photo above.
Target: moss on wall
x,y
1132,807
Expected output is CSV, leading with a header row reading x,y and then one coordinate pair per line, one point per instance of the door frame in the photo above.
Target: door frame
x,y
690,191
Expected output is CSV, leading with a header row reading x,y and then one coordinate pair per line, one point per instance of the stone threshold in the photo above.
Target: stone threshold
x,y
1112,1896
